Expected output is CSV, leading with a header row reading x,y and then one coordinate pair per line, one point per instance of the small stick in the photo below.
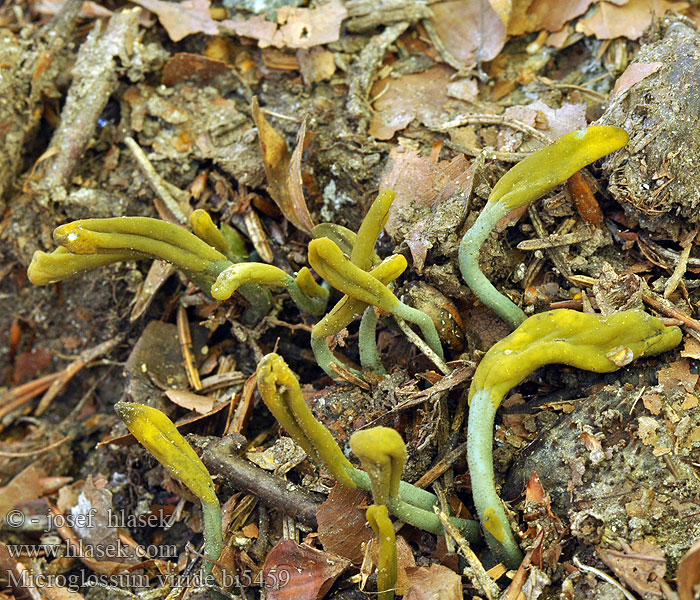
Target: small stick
x,y
161,187
604,576
185,338
415,339
477,574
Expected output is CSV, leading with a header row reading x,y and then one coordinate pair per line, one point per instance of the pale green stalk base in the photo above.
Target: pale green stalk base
x,y
482,414
213,539
415,507
314,306
424,323
324,357
469,248
367,342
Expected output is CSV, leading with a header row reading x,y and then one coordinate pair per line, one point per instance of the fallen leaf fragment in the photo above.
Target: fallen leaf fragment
x,y
470,31
642,567
311,572
688,575
436,581
634,73
181,19
420,96
292,27
24,486
283,172
191,401
185,66
629,21
550,15
342,524
316,65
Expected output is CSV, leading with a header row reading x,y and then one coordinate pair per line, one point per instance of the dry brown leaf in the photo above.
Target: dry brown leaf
x,y
283,172
550,15
419,96
24,486
292,27
634,74
181,19
629,21
554,122
342,524
653,402
433,582
470,31
691,348
311,572
191,401
642,567
59,593
688,575
677,376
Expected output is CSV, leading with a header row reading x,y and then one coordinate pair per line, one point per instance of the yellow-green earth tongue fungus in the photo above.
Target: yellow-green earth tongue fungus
x,y
387,567
525,182
281,393
586,341
158,434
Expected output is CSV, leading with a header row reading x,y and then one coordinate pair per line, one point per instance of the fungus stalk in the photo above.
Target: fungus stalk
x,y
586,341
158,434
387,567
525,182
282,395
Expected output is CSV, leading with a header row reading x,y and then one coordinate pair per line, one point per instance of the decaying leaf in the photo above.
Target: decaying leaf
x,y
191,401
420,96
181,19
688,575
316,65
311,572
283,172
24,486
292,27
470,31
550,15
554,122
642,566
430,199
629,21
634,74
342,524
436,581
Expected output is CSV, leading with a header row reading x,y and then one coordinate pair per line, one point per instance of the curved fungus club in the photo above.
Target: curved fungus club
x,y
525,182
585,341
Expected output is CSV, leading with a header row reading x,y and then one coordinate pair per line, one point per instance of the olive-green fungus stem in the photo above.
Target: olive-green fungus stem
x,y
259,298
241,274
387,567
586,341
330,263
158,434
527,181
345,312
282,395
